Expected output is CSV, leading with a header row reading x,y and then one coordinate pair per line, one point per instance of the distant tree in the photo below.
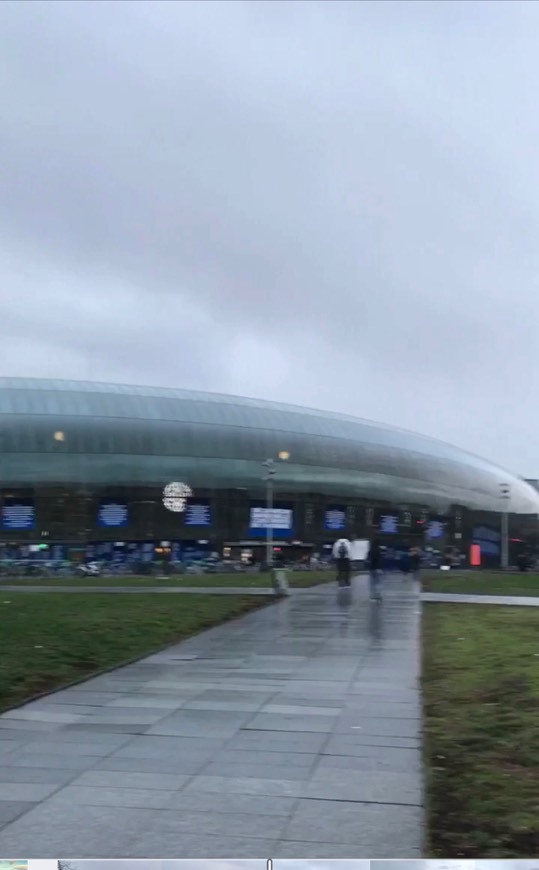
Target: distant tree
x,y
65,865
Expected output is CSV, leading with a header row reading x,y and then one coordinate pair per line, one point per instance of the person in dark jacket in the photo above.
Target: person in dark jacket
x,y
415,562
522,561
375,563
341,555
404,562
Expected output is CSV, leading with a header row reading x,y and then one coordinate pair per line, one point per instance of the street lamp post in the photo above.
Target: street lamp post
x,y
269,465
505,495
269,477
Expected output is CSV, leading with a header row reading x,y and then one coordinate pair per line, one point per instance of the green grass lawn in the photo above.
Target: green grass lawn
x,y
297,579
481,583
481,708
50,641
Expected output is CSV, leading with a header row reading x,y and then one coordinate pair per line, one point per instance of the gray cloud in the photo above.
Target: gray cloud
x,y
331,203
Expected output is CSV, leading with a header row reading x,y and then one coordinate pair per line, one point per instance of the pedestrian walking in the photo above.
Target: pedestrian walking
x,y
342,553
404,563
522,561
415,562
375,563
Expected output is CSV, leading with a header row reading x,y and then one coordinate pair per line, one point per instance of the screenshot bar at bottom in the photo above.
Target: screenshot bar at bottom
x,y
265,864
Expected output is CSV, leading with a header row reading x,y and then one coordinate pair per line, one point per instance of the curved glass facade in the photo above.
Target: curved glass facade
x,y
84,464
117,435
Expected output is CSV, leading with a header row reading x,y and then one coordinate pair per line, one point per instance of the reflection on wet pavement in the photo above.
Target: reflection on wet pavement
x,y
298,723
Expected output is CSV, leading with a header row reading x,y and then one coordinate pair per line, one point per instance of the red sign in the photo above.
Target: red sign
x,y
475,555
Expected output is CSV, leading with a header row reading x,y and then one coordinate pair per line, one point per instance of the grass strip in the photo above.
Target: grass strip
x,y
481,583
296,579
481,719
50,641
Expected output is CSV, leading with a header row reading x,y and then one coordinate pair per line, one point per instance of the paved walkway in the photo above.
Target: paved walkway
x,y
456,598
293,732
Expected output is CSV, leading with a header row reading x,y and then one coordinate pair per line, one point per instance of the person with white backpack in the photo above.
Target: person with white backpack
x,y
342,553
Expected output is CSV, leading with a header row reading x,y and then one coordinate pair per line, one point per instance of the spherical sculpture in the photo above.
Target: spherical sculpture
x,y
175,496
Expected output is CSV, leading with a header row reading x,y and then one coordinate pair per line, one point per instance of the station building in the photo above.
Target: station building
x,y
99,467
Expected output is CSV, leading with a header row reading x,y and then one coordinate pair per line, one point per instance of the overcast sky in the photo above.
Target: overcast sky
x,y
328,203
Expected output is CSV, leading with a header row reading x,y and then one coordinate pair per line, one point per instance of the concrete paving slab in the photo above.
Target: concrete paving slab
x,y
7,724
179,765
369,829
12,810
300,710
109,796
164,745
26,791
285,722
104,779
224,706
293,733
377,710
76,710
246,756
42,715
377,727
396,757
142,702
63,749
80,695
278,741
257,771
200,723
82,732
225,785
372,786
51,829
359,763
316,851
505,600
186,824
7,747
97,730
36,775
28,759
237,804
165,843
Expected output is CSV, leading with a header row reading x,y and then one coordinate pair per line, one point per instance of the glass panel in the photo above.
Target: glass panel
x,y
347,451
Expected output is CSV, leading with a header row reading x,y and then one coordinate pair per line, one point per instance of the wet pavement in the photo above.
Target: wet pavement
x,y
291,732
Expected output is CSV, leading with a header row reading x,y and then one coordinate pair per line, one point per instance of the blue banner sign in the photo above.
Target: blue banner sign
x,y
335,518
18,514
389,525
488,539
435,529
483,533
112,514
198,514
279,519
